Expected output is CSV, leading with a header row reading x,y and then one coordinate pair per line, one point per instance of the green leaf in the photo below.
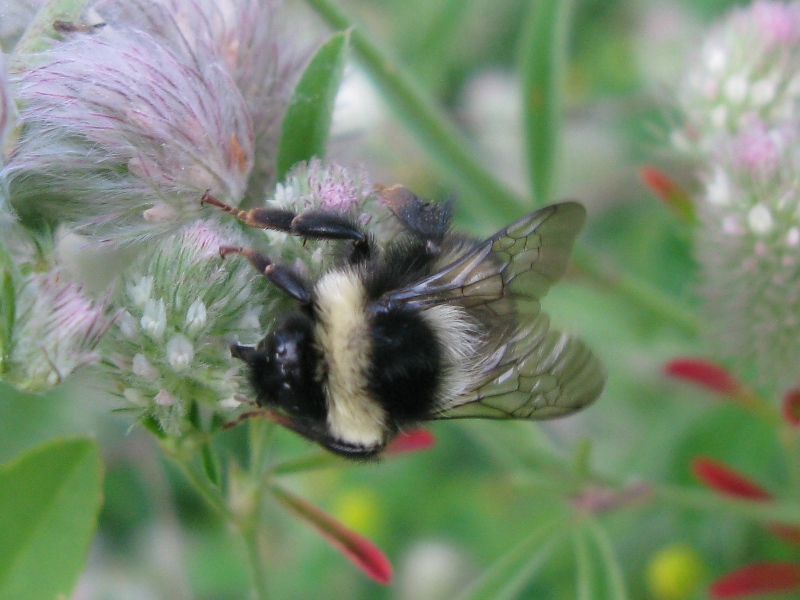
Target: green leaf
x,y
507,577
308,118
49,500
543,60
40,32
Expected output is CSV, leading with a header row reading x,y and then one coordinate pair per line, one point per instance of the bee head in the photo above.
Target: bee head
x,y
283,367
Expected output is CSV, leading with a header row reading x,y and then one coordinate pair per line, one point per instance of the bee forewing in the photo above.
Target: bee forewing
x,y
534,249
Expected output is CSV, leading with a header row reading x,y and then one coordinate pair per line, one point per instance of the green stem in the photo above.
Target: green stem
x,y
198,481
791,447
258,435
637,290
257,562
245,524
787,513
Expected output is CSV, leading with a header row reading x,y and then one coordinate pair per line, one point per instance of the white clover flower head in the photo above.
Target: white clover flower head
x,y
746,69
177,352
747,249
121,136
57,329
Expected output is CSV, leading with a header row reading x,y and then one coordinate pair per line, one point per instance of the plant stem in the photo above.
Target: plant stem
x,y
257,562
199,482
791,448
245,524
637,290
787,513
258,435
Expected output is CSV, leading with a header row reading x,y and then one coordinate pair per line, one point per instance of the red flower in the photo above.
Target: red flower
x,y
706,374
410,441
790,409
669,192
757,578
726,481
362,552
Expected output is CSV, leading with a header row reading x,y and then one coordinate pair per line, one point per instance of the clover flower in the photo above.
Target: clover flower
x,y
748,67
740,107
248,37
750,222
121,135
123,129
183,305
329,186
55,332
6,106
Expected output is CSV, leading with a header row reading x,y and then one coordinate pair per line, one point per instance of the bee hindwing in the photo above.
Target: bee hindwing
x,y
538,373
529,370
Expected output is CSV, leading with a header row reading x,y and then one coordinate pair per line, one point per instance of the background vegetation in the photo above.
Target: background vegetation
x,y
488,498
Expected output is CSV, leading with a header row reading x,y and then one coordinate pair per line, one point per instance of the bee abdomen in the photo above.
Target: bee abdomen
x,y
406,365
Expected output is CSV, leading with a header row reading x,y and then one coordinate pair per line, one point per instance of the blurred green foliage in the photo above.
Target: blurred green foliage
x,y
459,498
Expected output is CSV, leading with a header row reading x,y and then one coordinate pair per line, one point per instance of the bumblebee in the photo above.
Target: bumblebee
x,y
435,325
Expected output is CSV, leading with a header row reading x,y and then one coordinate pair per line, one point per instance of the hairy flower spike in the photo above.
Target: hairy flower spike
x,y
740,107
747,250
747,68
122,136
56,331
6,107
172,348
248,37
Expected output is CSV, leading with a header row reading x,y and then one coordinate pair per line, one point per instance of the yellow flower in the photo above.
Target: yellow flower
x,y
674,572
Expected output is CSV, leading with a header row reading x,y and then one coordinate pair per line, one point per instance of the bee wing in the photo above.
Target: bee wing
x,y
534,250
538,373
531,371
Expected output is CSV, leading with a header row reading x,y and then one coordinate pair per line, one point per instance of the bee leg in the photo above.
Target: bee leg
x,y
426,221
284,278
320,225
261,218
324,225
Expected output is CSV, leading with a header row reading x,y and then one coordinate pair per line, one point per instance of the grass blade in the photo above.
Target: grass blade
x,y
543,60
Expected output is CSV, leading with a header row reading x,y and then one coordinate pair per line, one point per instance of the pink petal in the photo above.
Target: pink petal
x,y
757,578
726,481
354,546
706,374
410,441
